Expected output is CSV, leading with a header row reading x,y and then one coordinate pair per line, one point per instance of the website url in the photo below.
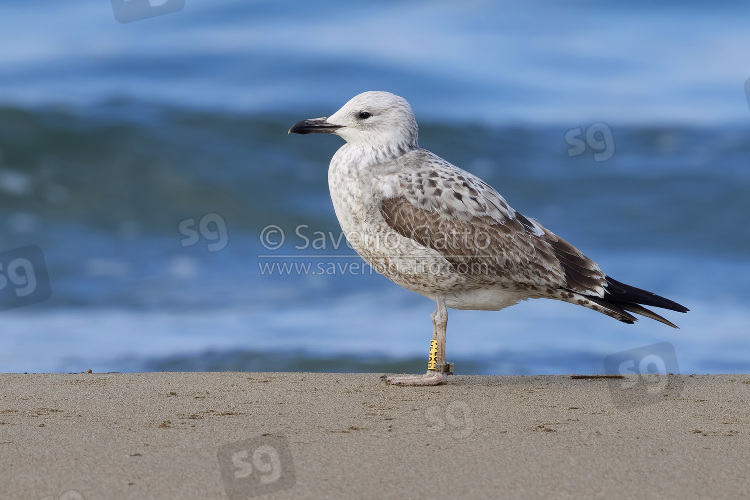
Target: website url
x,y
297,268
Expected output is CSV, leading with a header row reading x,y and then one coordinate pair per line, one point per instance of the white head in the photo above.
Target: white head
x,y
374,119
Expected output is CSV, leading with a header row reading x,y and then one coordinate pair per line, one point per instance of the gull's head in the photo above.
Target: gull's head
x,y
375,119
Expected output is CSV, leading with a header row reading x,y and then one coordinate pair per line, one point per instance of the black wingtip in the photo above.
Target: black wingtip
x,y
638,309
617,291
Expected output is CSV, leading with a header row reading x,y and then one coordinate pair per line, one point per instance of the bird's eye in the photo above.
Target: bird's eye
x,y
364,115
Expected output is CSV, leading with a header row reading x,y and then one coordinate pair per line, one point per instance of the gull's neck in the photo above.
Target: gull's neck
x,y
362,156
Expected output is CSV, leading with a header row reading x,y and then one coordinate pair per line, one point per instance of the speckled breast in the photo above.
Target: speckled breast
x,y
400,259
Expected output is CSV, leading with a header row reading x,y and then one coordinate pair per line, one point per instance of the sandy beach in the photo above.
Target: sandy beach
x,y
301,435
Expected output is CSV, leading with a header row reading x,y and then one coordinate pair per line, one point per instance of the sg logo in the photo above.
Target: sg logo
x,y
211,226
128,11
649,375
598,137
23,278
255,467
457,415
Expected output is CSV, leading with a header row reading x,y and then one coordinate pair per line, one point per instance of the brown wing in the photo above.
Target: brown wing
x,y
491,251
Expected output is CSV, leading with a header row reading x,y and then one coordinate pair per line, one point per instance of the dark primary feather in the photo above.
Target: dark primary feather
x,y
630,298
618,297
620,292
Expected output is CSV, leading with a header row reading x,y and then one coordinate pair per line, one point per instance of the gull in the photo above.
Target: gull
x,y
442,232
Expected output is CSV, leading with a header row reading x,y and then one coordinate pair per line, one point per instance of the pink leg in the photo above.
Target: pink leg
x,y
437,369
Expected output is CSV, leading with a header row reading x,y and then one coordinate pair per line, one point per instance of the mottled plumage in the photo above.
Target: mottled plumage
x,y
443,232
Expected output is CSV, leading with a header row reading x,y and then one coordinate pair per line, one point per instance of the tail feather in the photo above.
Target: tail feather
x,y
611,309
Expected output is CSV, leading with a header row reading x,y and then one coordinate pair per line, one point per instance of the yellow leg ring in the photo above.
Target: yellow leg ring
x,y
432,361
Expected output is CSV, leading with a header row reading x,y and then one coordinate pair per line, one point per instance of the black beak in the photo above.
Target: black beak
x,y
314,126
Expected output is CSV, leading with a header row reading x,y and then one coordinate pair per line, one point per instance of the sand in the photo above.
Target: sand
x,y
302,435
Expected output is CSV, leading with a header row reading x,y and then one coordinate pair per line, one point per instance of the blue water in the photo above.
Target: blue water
x,y
118,140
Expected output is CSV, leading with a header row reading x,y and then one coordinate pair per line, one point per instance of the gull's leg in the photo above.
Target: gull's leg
x,y
437,369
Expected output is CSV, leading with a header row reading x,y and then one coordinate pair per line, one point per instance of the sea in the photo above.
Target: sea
x,y
156,216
